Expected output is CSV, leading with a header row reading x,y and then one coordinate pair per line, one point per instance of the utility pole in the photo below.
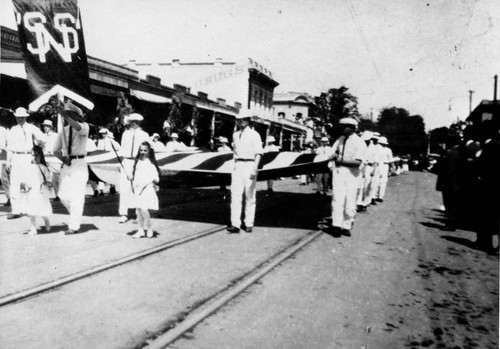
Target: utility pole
x,y
470,101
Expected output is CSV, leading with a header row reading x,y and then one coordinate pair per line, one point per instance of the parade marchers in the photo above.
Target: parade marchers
x,y
360,164
359,170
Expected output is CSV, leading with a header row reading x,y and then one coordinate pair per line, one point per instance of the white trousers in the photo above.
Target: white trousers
x,y
384,177
374,184
4,176
363,196
72,184
127,199
241,184
18,173
345,182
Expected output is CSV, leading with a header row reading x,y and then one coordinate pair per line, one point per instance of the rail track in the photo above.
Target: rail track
x,y
176,327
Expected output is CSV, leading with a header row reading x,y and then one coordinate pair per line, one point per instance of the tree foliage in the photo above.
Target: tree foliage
x,y
405,132
333,105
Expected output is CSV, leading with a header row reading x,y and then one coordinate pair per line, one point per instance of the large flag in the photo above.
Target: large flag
x,y
51,37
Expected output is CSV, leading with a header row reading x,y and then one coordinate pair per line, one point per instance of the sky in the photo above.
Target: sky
x,y
421,55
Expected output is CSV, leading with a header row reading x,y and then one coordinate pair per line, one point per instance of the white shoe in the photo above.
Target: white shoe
x,y
150,233
122,219
32,232
140,234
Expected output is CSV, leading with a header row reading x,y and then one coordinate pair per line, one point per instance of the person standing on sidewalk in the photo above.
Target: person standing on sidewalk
x,y
4,176
247,148
145,177
35,193
385,163
349,152
132,138
106,142
71,149
20,141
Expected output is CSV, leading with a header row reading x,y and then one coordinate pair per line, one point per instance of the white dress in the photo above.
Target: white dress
x,y
144,189
35,201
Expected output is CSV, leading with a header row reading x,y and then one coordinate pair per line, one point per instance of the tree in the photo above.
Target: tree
x,y
405,132
333,105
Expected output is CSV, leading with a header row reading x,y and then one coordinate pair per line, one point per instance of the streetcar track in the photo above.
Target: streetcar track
x,y
44,287
203,309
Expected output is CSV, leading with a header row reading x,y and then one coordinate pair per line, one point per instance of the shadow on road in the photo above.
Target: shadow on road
x,y
461,241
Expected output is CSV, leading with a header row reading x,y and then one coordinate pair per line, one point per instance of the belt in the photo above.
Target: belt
x,y
128,158
370,163
244,160
22,152
72,157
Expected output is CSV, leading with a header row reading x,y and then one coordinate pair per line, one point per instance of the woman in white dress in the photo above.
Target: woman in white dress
x,y
35,191
145,179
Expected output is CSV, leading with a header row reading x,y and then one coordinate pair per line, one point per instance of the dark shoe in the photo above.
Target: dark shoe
x,y
112,191
374,202
101,193
334,231
380,200
7,204
233,230
359,208
95,193
249,229
57,199
318,193
270,190
13,216
345,232
70,232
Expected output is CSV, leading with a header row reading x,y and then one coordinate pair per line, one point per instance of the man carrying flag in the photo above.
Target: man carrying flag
x,y
70,148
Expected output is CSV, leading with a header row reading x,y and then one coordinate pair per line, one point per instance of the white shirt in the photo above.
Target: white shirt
x,y
247,144
78,140
175,146
158,146
21,139
224,148
386,155
107,144
371,154
50,141
131,141
271,147
3,138
349,148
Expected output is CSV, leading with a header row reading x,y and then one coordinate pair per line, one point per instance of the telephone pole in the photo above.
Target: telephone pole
x,y
470,101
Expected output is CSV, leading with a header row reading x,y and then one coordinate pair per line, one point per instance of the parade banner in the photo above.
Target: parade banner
x,y
52,44
199,169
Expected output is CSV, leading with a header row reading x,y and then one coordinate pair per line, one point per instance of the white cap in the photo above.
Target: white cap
x,y
366,135
223,140
103,130
21,113
270,139
325,139
348,121
47,123
155,135
135,117
383,140
174,135
376,135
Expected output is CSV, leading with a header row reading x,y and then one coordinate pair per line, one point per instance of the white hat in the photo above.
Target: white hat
x,y
223,140
244,115
270,139
348,121
47,123
21,113
383,140
174,135
366,135
155,135
103,130
135,117
73,111
375,135
325,139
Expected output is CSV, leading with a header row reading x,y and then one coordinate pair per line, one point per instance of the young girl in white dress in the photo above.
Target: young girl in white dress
x,y
35,191
145,178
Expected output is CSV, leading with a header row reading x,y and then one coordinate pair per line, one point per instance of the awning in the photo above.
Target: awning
x,y
149,97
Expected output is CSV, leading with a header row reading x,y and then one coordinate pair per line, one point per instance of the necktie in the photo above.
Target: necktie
x,y
70,140
132,148
343,149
